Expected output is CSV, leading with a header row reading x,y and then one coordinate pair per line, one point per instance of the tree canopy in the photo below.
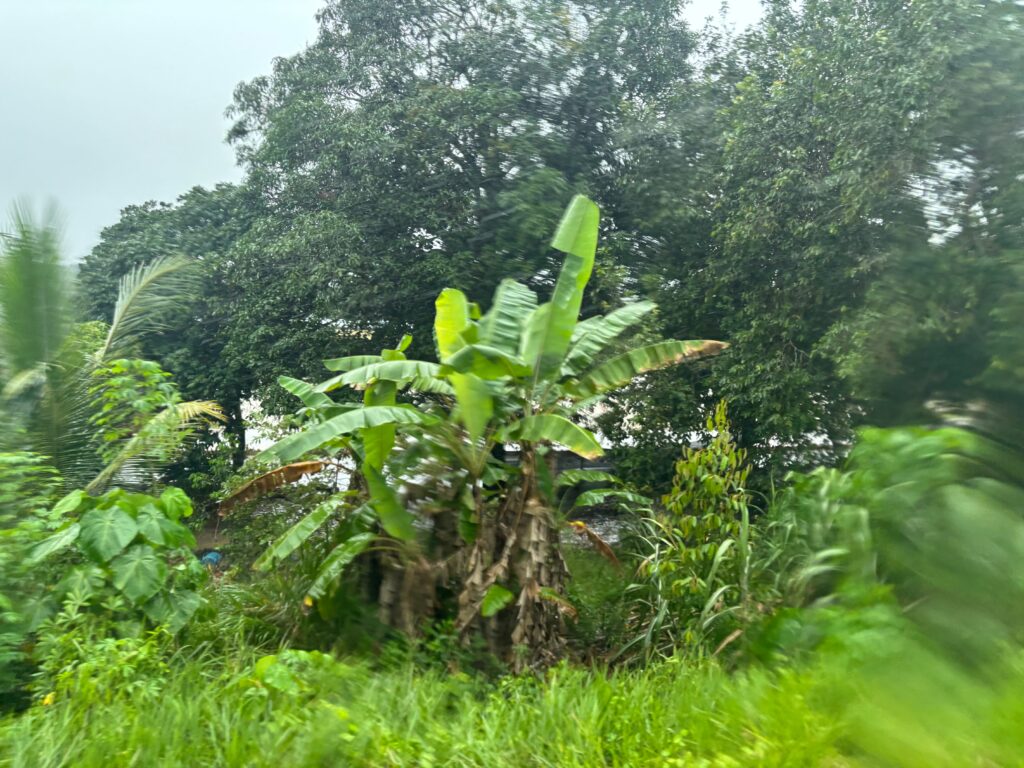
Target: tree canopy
x,y
783,190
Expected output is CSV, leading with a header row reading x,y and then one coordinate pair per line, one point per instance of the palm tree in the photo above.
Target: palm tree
x,y
47,361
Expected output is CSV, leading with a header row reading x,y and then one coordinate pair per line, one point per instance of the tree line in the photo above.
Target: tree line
x,y
835,192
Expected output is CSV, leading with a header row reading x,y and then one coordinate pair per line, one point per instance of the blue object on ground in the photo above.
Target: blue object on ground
x,y
211,558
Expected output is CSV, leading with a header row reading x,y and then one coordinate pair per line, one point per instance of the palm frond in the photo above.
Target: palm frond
x,y
264,484
157,439
35,292
147,298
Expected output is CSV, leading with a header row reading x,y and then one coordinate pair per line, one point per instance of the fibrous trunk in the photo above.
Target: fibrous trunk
x,y
517,548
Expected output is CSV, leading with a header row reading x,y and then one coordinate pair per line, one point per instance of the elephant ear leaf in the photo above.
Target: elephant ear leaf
x,y
139,573
550,328
106,532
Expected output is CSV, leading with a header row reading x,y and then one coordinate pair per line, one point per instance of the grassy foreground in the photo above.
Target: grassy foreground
x,y
330,713
298,709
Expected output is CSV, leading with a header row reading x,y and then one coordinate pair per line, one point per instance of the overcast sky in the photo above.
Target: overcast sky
x,y
106,103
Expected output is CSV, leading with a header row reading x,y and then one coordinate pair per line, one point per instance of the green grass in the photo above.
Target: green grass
x,y
907,706
346,714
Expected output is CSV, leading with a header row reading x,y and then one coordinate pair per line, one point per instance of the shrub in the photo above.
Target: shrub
x,y
694,555
132,556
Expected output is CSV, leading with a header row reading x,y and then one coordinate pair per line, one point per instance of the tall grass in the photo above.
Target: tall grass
x,y
885,697
210,715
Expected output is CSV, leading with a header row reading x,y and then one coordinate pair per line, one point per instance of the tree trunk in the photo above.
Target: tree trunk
x,y
236,429
518,549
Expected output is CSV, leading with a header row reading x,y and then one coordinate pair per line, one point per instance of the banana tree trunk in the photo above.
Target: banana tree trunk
x,y
518,549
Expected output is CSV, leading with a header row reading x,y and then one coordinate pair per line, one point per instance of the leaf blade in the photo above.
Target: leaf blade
x,y
299,533
337,561
311,438
139,573
451,319
622,369
552,428
105,532
550,328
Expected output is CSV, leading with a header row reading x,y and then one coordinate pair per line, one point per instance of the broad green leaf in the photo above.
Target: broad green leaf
x,y
105,532
176,503
450,320
297,535
139,572
552,428
503,324
307,393
496,598
149,521
487,362
379,440
172,609
70,503
594,498
59,541
576,476
330,384
433,386
550,328
394,370
311,438
177,535
278,677
476,406
158,529
622,369
395,518
593,335
577,231
342,364
337,561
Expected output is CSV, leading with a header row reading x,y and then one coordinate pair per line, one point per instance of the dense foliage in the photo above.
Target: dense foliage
x,y
423,565
517,374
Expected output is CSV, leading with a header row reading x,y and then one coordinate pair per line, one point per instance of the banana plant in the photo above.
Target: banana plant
x,y
524,373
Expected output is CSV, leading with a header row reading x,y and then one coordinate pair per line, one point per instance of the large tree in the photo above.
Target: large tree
x,y
838,110
937,323
419,145
193,344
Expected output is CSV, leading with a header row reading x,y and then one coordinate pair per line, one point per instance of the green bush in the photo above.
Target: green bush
x,y
133,556
692,581
28,486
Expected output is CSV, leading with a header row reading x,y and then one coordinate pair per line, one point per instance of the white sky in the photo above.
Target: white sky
x,y
106,103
